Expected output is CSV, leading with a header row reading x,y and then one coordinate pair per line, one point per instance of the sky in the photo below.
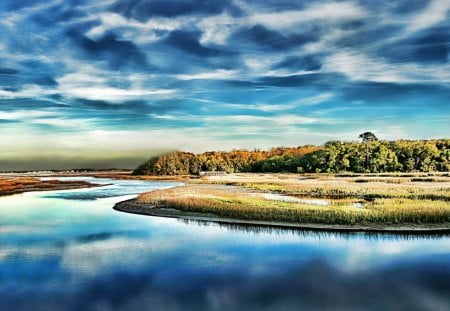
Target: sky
x,y
85,81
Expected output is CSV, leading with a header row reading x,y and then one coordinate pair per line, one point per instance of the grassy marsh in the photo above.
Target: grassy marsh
x,y
241,196
13,184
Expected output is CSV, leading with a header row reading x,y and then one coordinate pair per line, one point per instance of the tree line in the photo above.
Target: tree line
x,y
368,156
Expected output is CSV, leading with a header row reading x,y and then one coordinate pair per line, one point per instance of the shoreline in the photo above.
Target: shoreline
x,y
17,183
38,189
120,175
130,206
14,186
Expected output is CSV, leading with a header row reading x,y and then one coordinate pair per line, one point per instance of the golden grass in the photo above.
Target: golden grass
x,y
13,185
329,186
403,203
10,183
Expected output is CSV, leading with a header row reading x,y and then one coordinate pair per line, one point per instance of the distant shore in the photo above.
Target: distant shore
x,y
16,182
17,185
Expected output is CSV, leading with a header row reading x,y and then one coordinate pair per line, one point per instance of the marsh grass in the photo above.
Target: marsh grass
x,y
14,185
326,186
401,205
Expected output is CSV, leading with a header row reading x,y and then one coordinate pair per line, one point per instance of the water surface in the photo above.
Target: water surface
x,y
69,250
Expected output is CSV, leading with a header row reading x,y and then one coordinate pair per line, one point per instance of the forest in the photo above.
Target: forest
x,y
369,155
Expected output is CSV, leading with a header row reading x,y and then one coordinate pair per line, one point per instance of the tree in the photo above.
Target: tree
x,y
367,137
147,168
371,155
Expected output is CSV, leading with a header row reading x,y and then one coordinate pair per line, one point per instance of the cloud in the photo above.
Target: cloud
x,y
436,12
314,100
219,74
27,91
313,71
110,93
216,28
357,66
23,115
142,32
328,12
93,84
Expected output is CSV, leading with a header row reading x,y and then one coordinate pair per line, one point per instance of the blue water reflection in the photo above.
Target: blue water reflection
x,y
59,250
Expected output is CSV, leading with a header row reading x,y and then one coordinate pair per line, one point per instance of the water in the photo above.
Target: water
x,y
66,250
286,198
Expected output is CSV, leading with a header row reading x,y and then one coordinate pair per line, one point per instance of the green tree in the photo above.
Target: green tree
x,y
367,137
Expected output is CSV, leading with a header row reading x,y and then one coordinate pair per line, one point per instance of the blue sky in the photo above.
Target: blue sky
x,y
85,75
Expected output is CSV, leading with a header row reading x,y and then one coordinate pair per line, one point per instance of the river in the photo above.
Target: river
x,y
69,250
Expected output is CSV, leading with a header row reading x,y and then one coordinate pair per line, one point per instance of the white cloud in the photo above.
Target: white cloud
x,y
111,93
91,83
330,12
359,67
314,100
216,29
435,13
142,33
20,115
27,91
220,74
260,64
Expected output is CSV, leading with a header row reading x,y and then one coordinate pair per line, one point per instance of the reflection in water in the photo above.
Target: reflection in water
x,y
318,234
81,255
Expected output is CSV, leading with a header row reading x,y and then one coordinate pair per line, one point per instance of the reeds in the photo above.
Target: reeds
x,y
385,203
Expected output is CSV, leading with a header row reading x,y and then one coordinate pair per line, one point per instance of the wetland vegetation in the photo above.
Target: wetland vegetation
x,y
316,199
19,184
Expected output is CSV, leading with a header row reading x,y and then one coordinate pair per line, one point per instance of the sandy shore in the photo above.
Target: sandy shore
x,y
130,206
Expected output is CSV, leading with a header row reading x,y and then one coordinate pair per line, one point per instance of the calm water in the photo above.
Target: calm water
x,y
68,250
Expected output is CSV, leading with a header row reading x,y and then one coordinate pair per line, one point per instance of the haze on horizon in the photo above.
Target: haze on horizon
x,y
85,82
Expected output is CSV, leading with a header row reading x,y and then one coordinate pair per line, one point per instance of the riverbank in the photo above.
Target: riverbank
x,y
15,185
397,204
